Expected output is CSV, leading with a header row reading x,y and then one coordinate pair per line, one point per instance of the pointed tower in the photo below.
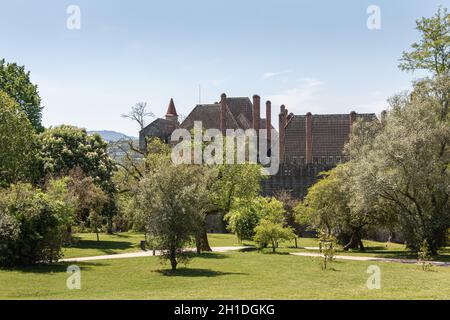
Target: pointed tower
x,y
171,113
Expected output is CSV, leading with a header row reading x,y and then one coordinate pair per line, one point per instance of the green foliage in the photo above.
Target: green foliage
x,y
57,190
260,219
172,200
15,81
246,214
433,50
328,208
242,181
243,219
65,148
327,245
90,199
424,256
404,171
270,232
32,226
17,143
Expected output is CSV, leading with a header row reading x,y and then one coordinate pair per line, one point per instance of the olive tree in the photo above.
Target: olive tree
x,y
173,199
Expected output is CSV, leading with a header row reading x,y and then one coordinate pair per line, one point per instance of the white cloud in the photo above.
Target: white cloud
x,y
302,98
269,75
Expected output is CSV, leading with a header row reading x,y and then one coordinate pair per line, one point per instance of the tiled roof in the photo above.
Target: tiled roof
x,y
209,115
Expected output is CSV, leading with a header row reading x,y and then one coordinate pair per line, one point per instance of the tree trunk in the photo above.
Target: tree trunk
x,y
109,229
273,246
296,245
198,244
204,243
173,259
355,242
361,245
201,241
96,232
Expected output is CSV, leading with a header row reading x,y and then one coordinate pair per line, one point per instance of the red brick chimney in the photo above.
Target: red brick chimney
x,y
223,113
309,157
268,120
256,111
352,120
282,119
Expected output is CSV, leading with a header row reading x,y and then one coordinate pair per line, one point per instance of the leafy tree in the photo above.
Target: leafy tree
x,y
269,232
323,203
289,203
64,148
234,185
31,226
17,143
246,214
57,190
174,200
329,208
89,198
15,81
243,218
433,50
406,171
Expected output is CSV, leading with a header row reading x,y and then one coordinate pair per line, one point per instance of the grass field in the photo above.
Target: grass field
x,y
232,275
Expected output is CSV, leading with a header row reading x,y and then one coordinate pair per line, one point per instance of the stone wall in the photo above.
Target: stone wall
x,y
295,178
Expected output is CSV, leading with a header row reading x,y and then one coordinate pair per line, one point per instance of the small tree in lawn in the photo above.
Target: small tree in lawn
x,y
424,256
269,232
327,244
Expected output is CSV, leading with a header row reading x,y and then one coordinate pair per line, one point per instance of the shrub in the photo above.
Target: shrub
x,y
31,226
268,232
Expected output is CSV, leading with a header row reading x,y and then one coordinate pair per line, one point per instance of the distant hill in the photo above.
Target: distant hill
x,y
112,136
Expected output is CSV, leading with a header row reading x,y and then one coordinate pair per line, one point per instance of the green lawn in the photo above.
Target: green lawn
x,y
233,275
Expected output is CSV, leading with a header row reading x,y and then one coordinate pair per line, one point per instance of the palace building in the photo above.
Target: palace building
x,y
308,143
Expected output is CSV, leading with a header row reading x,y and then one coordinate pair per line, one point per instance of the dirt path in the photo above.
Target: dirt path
x,y
139,254
375,259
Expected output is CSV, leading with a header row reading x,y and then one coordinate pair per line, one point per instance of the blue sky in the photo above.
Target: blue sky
x,y
316,56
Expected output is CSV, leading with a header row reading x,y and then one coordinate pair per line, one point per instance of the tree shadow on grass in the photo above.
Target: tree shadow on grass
x,y
211,255
206,255
249,249
120,235
53,267
276,253
196,272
